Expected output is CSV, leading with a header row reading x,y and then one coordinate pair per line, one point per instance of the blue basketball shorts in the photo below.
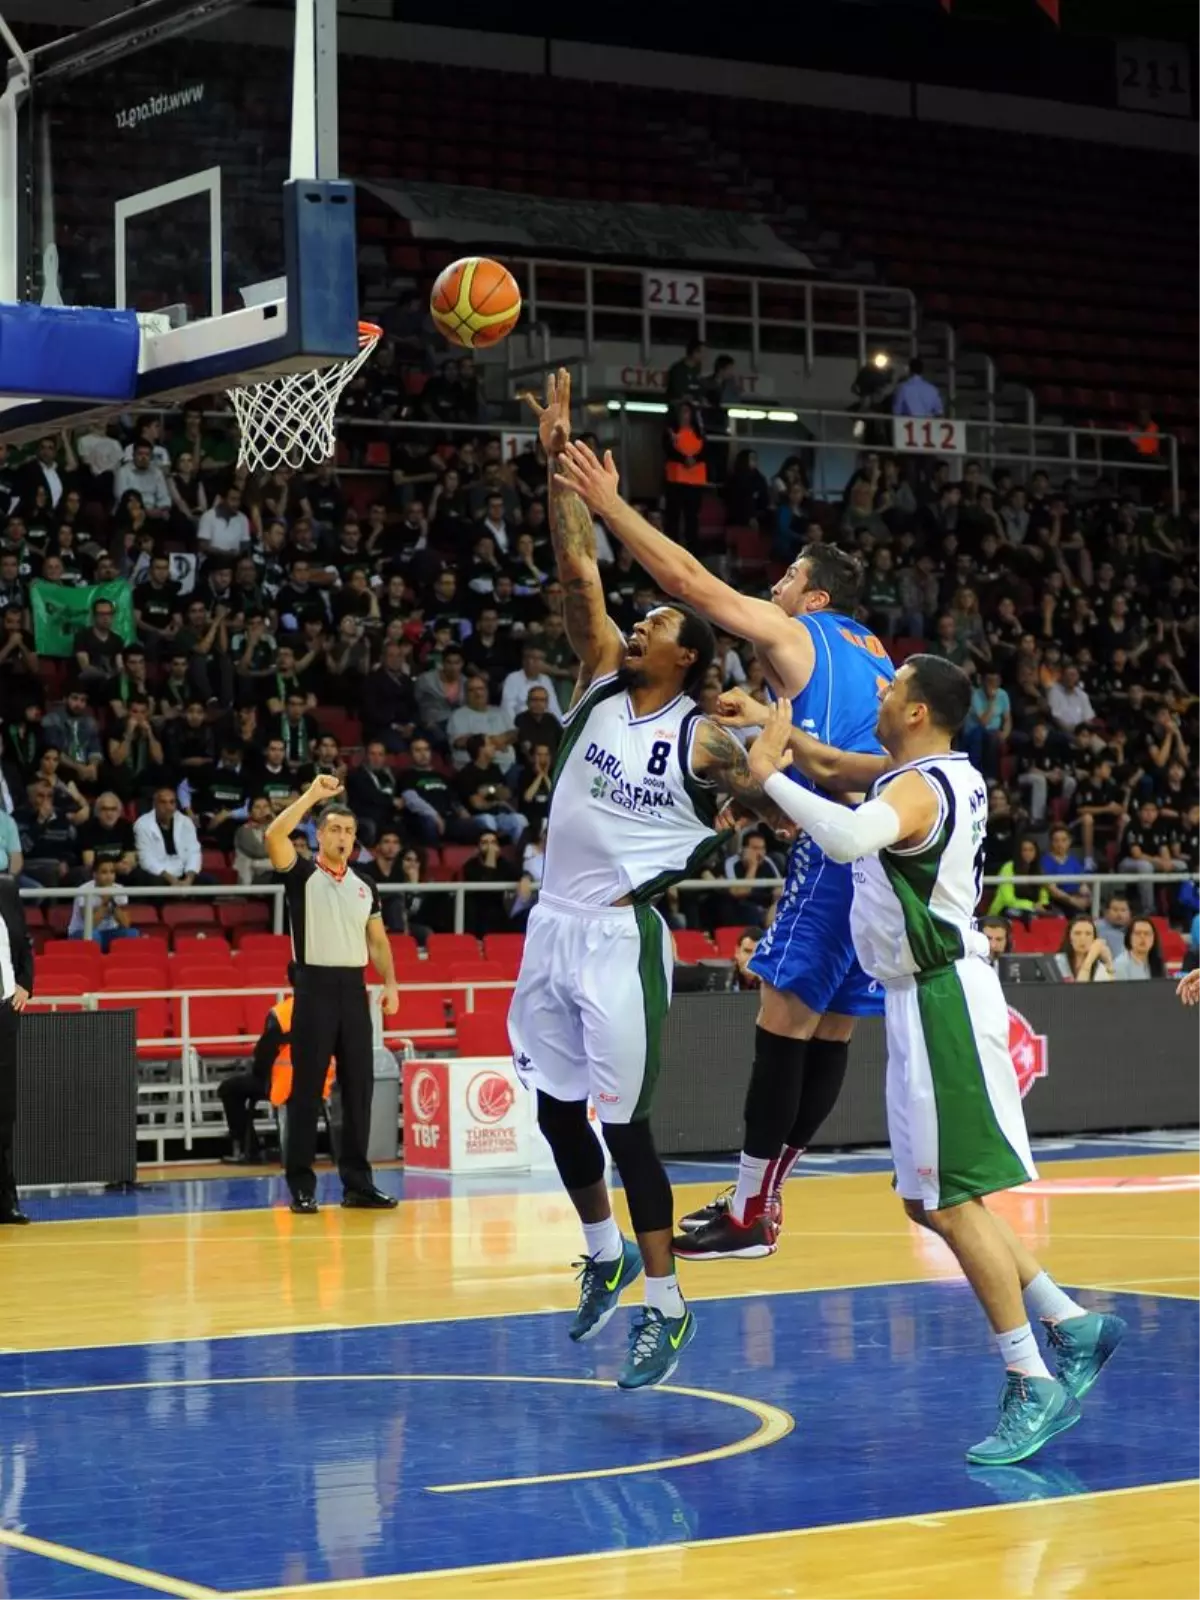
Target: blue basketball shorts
x,y
807,951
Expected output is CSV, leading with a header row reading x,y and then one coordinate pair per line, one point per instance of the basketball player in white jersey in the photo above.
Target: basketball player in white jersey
x,y
637,782
954,1113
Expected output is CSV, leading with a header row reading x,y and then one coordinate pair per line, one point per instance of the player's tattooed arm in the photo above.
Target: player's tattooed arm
x,y
720,759
591,632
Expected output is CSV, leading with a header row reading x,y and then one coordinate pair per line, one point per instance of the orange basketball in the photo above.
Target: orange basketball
x,y
475,302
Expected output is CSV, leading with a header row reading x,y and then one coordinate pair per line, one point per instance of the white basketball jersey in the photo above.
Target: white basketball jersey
x,y
914,909
627,817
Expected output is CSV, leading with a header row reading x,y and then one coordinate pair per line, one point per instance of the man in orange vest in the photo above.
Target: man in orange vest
x,y
1143,436
269,1078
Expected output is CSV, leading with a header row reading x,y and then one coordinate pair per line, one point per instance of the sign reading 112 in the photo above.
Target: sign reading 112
x,y
937,435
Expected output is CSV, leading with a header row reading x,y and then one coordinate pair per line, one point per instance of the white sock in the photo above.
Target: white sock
x,y
663,1295
1046,1301
1019,1352
752,1172
602,1239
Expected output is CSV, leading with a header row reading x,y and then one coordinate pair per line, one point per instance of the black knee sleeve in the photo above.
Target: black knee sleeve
x,y
647,1187
576,1149
773,1094
824,1069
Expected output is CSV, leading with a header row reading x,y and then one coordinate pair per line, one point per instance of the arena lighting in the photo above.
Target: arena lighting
x,y
740,415
880,359
783,416
654,407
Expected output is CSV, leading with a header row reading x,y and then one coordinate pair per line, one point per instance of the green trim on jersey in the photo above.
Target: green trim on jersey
x,y
579,713
934,943
699,857
974,1157
656,1000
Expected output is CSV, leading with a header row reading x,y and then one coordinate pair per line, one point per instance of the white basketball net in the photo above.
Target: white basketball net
x,y
288,421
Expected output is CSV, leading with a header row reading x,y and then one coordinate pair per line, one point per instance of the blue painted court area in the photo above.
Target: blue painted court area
x,y
189,1195
252,1462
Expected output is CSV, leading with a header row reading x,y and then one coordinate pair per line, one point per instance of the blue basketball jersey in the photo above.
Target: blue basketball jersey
x,y
840,704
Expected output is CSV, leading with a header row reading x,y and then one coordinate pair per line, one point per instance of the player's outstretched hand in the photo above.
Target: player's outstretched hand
x,y
596,482
769,753
1188,988
737,709
323,787
554,418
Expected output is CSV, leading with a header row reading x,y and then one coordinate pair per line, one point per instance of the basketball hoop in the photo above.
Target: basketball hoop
x,y
289,421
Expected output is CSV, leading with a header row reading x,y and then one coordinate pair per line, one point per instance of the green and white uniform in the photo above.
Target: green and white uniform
x,y
627,818
954,1107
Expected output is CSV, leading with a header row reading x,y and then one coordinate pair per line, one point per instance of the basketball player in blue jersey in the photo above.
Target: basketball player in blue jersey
x,y
834,671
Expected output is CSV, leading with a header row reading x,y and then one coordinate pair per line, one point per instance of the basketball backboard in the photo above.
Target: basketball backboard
x,y
179,160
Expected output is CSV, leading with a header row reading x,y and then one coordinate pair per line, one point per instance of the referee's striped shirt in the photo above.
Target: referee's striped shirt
x,y
329,914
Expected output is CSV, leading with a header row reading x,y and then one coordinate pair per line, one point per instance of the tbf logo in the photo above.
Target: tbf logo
x,y
425,1101
1029,1052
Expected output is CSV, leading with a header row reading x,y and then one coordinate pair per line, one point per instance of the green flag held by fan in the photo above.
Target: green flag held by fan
x,y
59,613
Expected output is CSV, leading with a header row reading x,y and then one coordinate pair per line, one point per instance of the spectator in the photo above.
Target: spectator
x,y
1020,899
477,716
12,857
424,913
98,649
167,844
487,913
224,529
916,396
440,691
1100,807
191,748
1145,848
48,834
483,793
135,758
1141,958
747,493
298,730
110,909
999,937
685,470
989,724
1083,957
685,380
143,474
384,868
759,880
1069,703
535,786
881,595
1070,896
108,836
436,811
539,723
251,862
1114,924
76,734
741,976
519,685
373,794
1040,770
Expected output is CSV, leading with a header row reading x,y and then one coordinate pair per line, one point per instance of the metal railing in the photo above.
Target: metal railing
x,y
612,302
460,891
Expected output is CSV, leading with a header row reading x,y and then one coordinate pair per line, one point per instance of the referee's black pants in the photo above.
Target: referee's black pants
x,y
10,1026
331,1017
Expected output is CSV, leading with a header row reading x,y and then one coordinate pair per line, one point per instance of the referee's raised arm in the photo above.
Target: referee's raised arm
x,y
280,848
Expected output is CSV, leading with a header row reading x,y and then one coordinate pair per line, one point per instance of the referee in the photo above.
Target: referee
x,y
16,985
336,922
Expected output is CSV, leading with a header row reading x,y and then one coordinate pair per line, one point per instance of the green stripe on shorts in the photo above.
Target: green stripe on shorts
x,y
974,1157
655,1001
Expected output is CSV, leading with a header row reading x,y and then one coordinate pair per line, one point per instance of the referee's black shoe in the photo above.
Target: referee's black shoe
x,y
371,1199
305,1205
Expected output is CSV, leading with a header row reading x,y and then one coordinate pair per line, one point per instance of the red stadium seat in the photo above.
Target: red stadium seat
x,y
1043,937
727,940
499,946
485,971
130,977
60,979
693,945
139,952
423,1018
256,944
85,953
189,912
216,1015
153,1022
243,914
453,947
210,949
483,1033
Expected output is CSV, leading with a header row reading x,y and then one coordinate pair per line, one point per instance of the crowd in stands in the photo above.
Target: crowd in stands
x,y
404,630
